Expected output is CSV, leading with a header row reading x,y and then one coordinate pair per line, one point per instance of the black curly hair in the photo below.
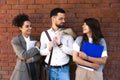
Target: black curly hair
x,y
20,19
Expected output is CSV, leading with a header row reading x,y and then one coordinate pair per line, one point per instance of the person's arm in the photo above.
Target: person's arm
x,y
101,60
44,48
21,53
36,58
67,48
33,59
80,61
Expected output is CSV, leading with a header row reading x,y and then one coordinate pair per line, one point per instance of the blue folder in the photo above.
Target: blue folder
x,y
93,50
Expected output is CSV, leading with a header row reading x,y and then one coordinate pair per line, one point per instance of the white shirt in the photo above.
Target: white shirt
x,y
28,41
59,55
76,47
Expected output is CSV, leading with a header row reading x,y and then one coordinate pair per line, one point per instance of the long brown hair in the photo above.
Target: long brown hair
x,y
94,25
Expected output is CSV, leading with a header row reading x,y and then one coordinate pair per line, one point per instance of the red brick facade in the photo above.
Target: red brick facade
x,y
106,11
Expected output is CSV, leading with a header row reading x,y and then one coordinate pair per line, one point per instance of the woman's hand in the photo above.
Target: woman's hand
x,y
29,60
95,66
83,55
37,44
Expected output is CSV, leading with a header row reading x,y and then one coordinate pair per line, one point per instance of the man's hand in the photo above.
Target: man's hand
x,y
51,44
57,39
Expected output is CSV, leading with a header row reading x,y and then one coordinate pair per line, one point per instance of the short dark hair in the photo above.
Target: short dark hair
x,y
55,11
20,19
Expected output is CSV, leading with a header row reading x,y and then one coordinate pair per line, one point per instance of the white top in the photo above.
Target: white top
x,y
27,40
29,44
59,55
76,47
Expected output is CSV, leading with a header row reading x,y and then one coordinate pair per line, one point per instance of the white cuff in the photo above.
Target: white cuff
x,y
37,48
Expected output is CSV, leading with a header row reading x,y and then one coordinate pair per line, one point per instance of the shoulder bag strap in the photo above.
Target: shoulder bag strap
x,y
51,50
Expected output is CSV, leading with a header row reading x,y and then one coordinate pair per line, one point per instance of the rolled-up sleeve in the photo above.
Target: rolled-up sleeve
x,y
68,47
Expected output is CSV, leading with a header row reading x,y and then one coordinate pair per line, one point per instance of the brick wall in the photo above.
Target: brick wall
x,y
107,11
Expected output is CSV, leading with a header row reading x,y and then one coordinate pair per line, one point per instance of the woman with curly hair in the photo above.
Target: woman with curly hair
x,y
26,49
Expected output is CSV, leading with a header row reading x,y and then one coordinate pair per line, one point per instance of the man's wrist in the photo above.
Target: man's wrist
x,y
59,45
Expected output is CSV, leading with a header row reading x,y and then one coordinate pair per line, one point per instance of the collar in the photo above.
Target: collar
x,y
90,40
26,38
51,29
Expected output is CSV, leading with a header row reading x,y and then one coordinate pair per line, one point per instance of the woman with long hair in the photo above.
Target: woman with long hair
x,y
89,67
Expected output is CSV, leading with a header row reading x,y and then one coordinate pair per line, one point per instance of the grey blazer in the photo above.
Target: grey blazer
x,y
21,70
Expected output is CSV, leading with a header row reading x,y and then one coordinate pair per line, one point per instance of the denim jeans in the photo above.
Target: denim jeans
x,y
60,73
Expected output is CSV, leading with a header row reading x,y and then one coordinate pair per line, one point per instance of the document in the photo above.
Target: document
x,y
30,44
93,50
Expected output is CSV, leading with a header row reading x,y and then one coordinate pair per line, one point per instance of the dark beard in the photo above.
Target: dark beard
x,y
60,26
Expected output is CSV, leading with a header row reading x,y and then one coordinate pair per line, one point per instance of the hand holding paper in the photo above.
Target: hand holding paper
x,y
37,44
30,44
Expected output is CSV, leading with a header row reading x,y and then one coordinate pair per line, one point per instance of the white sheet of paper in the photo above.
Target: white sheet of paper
x,y
30,44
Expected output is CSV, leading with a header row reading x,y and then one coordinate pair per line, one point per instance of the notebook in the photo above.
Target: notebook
x,y
93,50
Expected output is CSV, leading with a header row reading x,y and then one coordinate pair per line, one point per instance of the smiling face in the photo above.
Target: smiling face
x,y
26,28
86,29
